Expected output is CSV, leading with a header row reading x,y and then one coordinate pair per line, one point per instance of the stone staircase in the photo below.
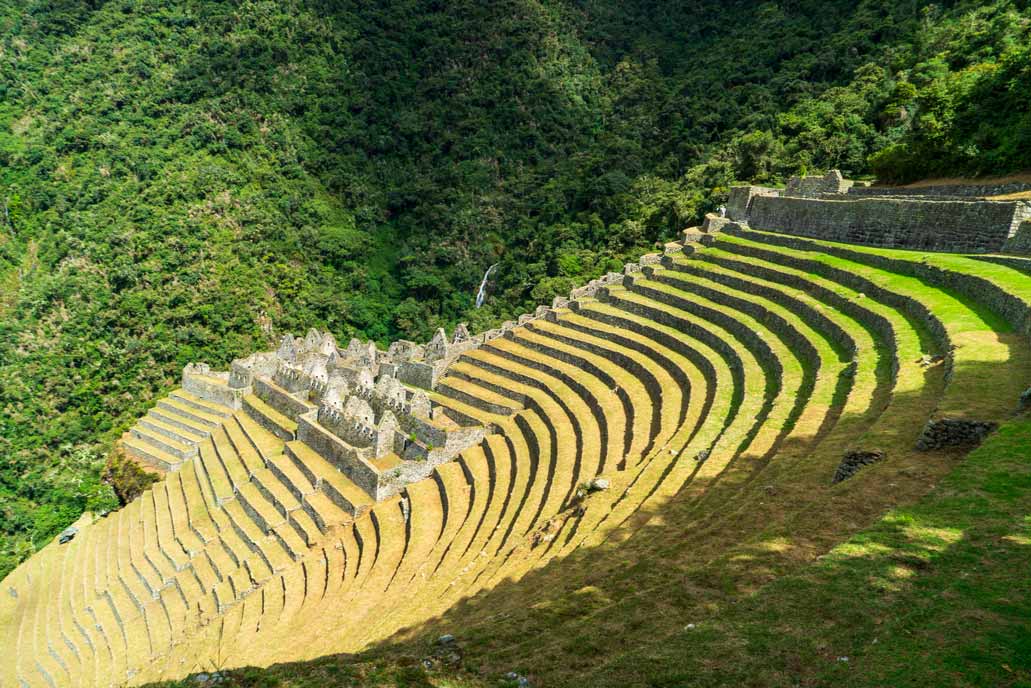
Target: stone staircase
x,y
171,431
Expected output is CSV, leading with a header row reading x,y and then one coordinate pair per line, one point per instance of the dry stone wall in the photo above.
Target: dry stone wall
x,y
362,408
835,209
954,226
944,190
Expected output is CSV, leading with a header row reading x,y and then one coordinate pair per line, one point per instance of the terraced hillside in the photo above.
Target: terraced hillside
x,y
717,389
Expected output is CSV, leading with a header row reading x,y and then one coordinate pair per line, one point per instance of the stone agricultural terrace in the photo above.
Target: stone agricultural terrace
x,y
319,499
373,415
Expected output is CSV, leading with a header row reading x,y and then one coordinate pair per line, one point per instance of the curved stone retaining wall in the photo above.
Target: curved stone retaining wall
x,y
934,225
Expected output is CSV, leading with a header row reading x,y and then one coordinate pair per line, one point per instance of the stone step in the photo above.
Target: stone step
x,y
225,596
220,563
245,450
579,434
182,409
267,444
306,527
179,512
166,444
391,534
328,478
291,476
464,413
174,606
269,418
196,505
190,399
160,528
593,383
190,591
153,421
213,474
261,508
324,511
291,541
232,544
204,572
252,533
238,471
466,370
155,456
279,495
186,423
476,395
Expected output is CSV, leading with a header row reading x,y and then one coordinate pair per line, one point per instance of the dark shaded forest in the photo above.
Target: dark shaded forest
x,y
185,180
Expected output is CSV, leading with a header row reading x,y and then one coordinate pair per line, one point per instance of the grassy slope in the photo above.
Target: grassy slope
x,y
934,594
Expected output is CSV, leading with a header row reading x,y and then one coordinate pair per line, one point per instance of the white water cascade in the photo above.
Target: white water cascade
x,y
482,293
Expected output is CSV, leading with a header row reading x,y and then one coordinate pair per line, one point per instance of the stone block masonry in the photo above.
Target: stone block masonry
x,y
954,226
944,190
741,199
834,209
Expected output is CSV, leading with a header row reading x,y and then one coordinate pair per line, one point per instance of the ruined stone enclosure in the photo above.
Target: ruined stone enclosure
x,y
319,499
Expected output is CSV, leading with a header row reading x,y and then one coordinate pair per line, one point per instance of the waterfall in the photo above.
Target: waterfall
x,y
482,293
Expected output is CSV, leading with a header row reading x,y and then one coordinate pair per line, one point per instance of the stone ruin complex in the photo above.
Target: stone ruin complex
x,y
292,520
953,218
367,411
372,414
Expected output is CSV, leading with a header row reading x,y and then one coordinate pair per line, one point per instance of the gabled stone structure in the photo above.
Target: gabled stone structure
x,y
366,411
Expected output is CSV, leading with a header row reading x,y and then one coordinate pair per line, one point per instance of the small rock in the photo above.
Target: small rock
x,y
843,659
689,627
702,455
427,664
855,460
445,639
597,485
201,678
67,534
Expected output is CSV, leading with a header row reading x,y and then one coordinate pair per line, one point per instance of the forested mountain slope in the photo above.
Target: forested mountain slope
x,y
182,180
